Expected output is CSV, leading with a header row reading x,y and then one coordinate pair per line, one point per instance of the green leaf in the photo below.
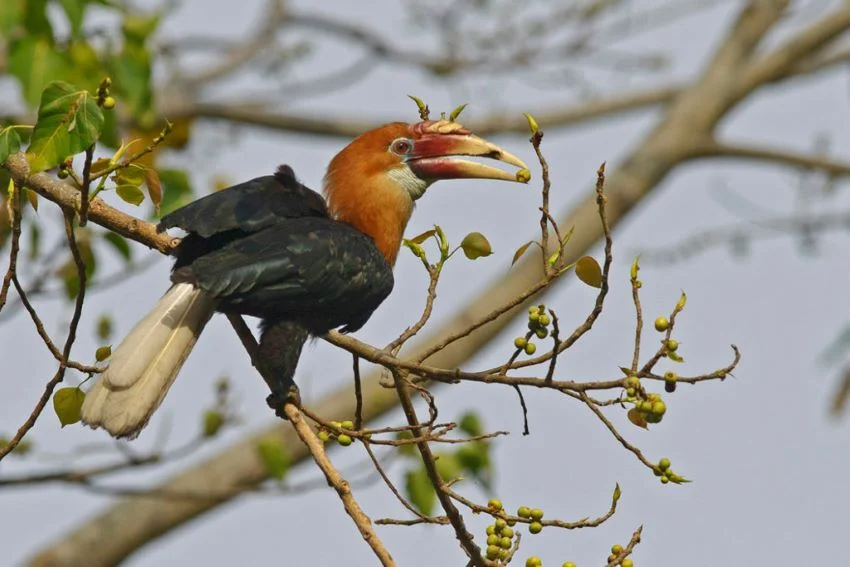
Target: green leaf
x,y
67,403
588,271
138,28
448,466
35,18
10,143
617,493
419,239
274,457
120,244
474,457
104,327
213,420
520,251
132,175
69,121
475,245
420,491
130,194
35,61
75,12
132,79
11,16
178,191
470,423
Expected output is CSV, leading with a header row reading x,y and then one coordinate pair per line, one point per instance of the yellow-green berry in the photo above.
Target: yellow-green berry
x,y
536,514
672,345
627,563
544,319
530,348
504,553
533,310
492,552
533,561
62,173
662,324
535,527
507,532
324,436
541,333
659,407
505,543
343,439
523,512
109,103
664,464
665,479
630,392
633,382
491,530
500,524
568,564
616,549
520,342
492,539
494,504
349,425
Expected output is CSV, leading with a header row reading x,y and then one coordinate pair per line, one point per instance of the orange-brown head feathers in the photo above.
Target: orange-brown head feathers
x,y
374,182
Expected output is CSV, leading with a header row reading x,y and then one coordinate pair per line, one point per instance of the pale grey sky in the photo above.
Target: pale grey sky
x,y
769,468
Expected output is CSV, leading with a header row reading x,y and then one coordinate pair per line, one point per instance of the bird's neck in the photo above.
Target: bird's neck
x,y
377,209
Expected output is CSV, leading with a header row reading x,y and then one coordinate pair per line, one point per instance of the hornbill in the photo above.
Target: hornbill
x,y
272,248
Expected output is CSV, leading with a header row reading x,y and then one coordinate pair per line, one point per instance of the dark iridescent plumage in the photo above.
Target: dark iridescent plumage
x,y
268,249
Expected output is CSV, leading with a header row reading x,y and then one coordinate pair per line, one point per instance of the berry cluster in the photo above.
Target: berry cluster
x,y
500,534
538,325
343,439
649,406
616,550
666,474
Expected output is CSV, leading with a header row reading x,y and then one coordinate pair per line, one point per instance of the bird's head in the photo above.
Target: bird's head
x,y
374,182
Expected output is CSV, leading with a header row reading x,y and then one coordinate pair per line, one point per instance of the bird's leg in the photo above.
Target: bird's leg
x,y
277,358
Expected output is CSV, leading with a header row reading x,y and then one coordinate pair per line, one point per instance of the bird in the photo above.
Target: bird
x,y
302,263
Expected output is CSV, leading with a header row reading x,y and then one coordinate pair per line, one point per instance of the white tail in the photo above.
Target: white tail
x,y
147,361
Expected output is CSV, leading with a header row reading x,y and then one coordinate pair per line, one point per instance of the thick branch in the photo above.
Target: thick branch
x,y
714,149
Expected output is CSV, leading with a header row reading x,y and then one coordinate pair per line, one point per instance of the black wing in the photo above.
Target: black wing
x,y
249,206
314,270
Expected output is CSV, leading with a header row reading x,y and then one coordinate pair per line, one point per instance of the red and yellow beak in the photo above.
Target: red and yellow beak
x,y
433,157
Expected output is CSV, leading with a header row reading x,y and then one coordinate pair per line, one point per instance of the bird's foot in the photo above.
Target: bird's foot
x,y
276,400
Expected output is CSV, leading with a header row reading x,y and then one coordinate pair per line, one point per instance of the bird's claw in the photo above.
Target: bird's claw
x,y
277,400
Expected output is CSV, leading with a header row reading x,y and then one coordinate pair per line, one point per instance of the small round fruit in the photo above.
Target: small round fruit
x,y
324,436
670,376
541,333
492,552
536,514
616,549
62,173
507,532
491,530
665,479
343,439
630,392
511,523
568,564
535,527
505,543
659,408
544,319
109,103
530,348
523,512
664,464
633,382
533,310
533,561
627,563
520,342
494,504
349,425
672,345
504,553
492,539
662,324
500,524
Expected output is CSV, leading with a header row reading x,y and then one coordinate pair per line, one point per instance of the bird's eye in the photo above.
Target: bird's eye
x,y
401,146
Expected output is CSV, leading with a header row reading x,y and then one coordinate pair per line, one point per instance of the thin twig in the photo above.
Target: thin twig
x,y
15,215
317,450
